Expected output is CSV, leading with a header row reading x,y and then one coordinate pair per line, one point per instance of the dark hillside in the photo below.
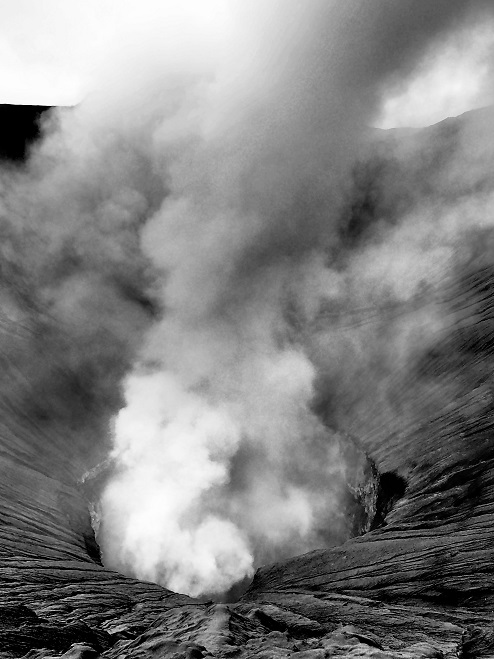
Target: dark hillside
x,y
19,127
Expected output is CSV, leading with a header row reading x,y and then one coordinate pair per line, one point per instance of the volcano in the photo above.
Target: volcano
x,y
417,578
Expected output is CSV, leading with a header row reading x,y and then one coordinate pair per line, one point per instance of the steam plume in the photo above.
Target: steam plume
x,y
194,220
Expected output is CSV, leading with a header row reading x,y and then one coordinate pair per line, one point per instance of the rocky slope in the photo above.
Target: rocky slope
x,y
419,583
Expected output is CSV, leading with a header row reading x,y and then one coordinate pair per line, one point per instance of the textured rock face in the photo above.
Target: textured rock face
x,y
441,444
419,583
447,460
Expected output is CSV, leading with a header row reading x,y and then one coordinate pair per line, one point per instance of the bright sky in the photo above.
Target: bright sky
x,y
50,51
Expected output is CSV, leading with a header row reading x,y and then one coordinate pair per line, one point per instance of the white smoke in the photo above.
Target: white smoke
x,y
223,463
220,370
208,177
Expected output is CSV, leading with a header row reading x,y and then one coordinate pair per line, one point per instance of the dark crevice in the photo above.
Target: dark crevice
x,y
391,488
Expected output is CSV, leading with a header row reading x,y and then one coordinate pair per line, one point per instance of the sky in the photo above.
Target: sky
x,y
53,52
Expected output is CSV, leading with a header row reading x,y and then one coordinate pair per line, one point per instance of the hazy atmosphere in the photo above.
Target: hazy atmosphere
x,y
192,233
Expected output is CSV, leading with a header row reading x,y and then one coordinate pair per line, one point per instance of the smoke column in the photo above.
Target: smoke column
x,y
185,227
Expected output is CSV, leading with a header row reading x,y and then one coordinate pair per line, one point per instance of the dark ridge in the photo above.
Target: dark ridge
x,y
19,128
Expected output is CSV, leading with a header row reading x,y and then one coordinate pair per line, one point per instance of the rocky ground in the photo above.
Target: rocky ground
x,y
417,581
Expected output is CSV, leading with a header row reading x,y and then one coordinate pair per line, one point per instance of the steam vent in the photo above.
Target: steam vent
x,y
414,574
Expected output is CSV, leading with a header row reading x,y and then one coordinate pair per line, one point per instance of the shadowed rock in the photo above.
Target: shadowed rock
x,y
20,127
